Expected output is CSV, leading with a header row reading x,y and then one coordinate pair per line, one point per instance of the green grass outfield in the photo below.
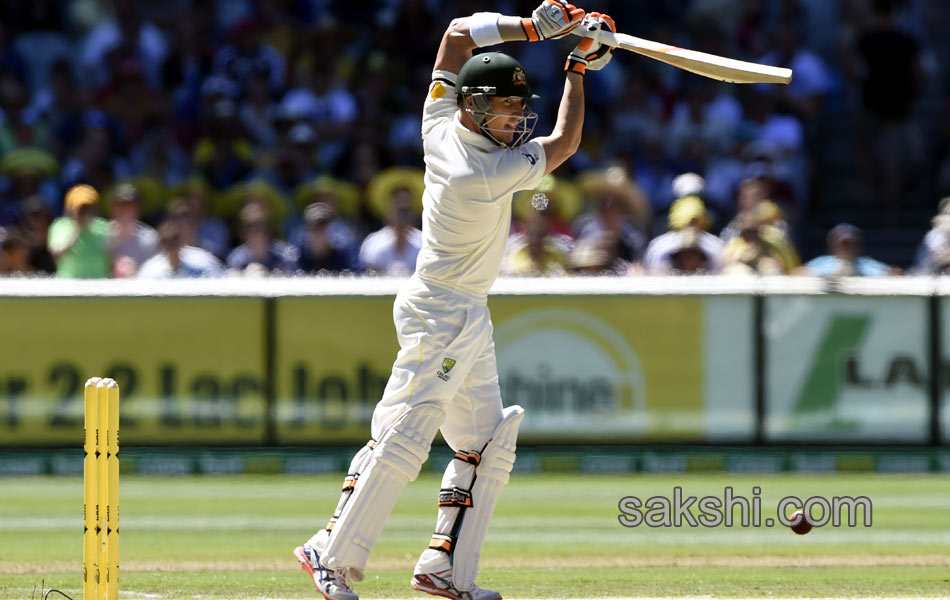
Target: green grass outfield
x,y
217,537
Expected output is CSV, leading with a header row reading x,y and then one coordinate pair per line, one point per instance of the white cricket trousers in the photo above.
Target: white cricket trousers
x,y
446,357
444,378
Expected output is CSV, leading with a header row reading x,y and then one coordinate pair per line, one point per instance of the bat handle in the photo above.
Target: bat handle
x,y
598,35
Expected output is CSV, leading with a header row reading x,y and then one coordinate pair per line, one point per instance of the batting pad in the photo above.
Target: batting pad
x,y
492,474
359,463
396,461
454,498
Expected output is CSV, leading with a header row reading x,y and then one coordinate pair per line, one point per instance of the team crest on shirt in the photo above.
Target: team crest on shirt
x,y
447,365
518,77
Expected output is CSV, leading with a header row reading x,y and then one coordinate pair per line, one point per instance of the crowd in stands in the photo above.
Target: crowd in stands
x,y
256,137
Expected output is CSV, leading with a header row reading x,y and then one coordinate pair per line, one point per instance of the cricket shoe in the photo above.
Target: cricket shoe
x,y
440,584
330,582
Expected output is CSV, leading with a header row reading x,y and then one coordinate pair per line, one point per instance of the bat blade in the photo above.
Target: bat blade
x,y
701,63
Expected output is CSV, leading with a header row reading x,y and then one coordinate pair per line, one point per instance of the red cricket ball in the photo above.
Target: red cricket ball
x,y
800,524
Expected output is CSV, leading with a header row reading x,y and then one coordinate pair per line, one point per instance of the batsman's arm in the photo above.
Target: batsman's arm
x,y
587,56
457,43
566,137
553,18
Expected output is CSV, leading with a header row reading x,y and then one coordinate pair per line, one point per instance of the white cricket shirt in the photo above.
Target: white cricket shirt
x,y
466,207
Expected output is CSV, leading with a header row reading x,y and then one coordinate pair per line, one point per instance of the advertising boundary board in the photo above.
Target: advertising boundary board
x,y
255,418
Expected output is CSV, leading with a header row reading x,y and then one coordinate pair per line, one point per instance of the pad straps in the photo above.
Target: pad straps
x,y
456,492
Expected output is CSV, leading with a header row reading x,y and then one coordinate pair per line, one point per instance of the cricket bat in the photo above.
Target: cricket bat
x,y
701,63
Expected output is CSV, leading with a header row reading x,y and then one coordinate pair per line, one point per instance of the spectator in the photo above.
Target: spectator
x,y
844,259
188,63
26,172
636,111
693,184
689,255
776,149
247,54
328,104
294,160
890,146
16,130
260,252
200,228
258,110
280,212
159,156
752,192
79,241
95,160
686,212
178,260
130,103
14,254
365,157
940,262
393,249
318,254
563,199
654,171
935,247
343,199
705,112
754,198
223,156
10,57
592,256
759,248
59,104
35,224
133,242
804,96
620,214
128,33
538,251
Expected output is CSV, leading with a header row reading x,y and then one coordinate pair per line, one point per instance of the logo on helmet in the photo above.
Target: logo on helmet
x,y
518,77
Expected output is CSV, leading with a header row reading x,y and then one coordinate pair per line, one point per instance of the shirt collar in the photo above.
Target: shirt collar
x,y
472,137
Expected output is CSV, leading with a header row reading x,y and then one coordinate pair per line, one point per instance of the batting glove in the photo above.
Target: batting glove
x,y
590,54
552,19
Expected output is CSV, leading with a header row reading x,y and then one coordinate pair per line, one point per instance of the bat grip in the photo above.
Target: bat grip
x,y
600,36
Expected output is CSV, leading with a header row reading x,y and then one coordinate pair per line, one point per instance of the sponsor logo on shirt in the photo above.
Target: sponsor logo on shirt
x,y
530,158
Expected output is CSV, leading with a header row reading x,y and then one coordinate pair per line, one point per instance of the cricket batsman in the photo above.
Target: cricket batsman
x,y
476,127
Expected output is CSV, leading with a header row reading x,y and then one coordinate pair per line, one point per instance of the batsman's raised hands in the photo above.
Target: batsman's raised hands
x,y
552,19
590,54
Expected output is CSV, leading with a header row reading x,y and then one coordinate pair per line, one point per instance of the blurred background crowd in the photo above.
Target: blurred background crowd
x,y
210,137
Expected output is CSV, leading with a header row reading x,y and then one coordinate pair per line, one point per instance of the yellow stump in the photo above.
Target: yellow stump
x,y
102,495
90,572
112,508
101,486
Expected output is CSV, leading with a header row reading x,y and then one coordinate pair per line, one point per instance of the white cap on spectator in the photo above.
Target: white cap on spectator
x,y
688,184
